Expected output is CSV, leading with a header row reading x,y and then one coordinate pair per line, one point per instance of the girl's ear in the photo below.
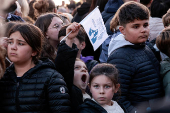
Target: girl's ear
x,y
46,35
117,88
122,30
34,53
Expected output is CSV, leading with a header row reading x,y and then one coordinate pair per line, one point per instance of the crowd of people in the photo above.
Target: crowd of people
x,y
42,71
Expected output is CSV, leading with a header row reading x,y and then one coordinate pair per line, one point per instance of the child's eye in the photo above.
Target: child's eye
x,y
76,67
107,87
9,42
55,26
135,26
85,68
96,86
20,44
145,25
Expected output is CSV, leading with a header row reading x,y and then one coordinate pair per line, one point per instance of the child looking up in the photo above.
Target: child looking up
x,y
138,67
80,82
73,69
103,83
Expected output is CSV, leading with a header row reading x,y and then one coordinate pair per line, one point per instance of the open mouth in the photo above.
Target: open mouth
x,y
83,78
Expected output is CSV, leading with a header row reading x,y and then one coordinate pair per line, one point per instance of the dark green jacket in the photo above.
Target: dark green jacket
x,y
165,74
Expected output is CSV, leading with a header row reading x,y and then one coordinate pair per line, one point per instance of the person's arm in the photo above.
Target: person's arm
x,y
58,97
64,62
66,55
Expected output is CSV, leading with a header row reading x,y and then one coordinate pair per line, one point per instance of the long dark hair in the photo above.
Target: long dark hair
x,y
43,22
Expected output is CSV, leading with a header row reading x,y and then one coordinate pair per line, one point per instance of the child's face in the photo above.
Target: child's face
x,y
19,52
136,32
103,89
54,28
81,76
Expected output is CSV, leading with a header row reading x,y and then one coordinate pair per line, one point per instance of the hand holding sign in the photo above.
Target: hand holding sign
x,y
72,31
94,27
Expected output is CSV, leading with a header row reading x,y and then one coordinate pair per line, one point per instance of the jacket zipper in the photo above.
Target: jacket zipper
x,y
17,100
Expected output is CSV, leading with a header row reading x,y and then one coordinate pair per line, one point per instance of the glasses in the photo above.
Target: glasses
x,y
57,26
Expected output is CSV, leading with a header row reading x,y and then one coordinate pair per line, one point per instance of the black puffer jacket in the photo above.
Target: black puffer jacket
x,y
139,75
40,90
89,106
65,61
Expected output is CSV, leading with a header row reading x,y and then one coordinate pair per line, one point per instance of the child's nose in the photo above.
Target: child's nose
x,y
84,70
14,47
144,29
101,90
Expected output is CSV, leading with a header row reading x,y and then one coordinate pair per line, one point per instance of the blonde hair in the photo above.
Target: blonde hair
x,y
24,7
166,19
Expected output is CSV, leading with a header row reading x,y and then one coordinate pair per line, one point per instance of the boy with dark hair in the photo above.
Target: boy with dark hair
x,y
109,12
137,65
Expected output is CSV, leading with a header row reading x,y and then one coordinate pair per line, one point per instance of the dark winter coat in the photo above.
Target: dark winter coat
x,y
76,98
12,17
40,90
81,12
65,61
89,106
165,74
139,75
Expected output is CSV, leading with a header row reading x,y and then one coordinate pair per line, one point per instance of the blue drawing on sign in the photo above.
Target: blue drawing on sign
x,y
94,33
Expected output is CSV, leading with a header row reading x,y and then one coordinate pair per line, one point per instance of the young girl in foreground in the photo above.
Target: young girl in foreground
x,y
30,84
103,84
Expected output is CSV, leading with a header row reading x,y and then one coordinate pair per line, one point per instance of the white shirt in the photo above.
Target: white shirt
x,y
115,108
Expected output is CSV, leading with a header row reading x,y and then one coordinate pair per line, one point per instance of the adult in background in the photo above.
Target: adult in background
x,y
44,6
7,6
158,9
82,11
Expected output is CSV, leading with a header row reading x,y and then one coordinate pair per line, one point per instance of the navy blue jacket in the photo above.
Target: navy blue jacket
x,y
138,75
12,17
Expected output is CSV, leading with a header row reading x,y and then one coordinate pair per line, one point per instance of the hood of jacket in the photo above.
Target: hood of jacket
x,y
116,43
43,63
83,9
112,6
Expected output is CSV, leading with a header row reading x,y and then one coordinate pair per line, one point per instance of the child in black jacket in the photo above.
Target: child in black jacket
x,y
103,83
